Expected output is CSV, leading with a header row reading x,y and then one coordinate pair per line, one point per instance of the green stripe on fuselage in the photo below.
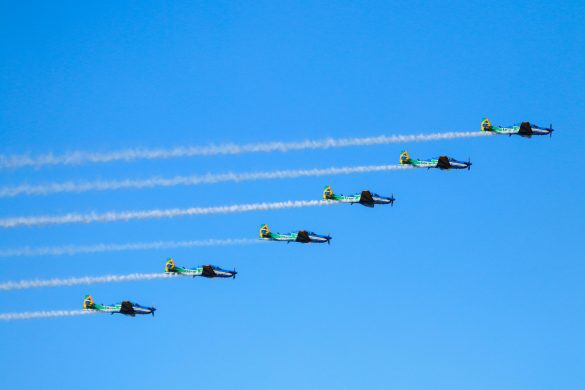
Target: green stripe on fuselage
x,y
108,308
190,272
424,163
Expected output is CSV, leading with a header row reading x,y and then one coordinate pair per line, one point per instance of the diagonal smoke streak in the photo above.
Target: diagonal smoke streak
x,y
43,314
114,216
210,178
132,246
85,280
82,157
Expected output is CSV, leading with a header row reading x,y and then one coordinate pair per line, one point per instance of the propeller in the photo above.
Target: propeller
x,y
468,163
234,274
551,130
328,238
392,200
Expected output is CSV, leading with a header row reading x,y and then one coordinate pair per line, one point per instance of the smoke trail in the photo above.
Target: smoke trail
x,y
81,157
114,216
85,280
43,314
132,246
210,178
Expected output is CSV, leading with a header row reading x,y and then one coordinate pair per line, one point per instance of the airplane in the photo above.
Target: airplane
x,y
207,271
302,236
524,129
126,307
365,198
442,162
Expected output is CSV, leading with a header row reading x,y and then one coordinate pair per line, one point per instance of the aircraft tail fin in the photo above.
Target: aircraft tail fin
x,y
486,125
170,265
264,231
404,157
88,302
327,193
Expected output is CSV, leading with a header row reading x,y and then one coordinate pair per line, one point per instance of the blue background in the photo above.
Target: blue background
x,y
474,280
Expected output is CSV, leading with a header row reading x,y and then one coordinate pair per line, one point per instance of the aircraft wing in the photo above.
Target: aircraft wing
x,y
525,129
303,236
366,198
443,163
208,271
127,308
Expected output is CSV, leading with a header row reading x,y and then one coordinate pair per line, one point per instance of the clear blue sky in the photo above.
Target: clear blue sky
x,y
474,280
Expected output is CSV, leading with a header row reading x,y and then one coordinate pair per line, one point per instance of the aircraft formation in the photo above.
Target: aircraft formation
x,y
365,198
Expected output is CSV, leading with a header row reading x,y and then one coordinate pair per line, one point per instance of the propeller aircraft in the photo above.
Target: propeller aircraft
x,y
126,307
365,198
207,271
442,162
524,129
302,236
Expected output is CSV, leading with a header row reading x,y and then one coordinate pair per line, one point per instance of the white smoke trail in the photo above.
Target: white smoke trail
x,y
85,280
82,157
114,216
71,250
210,178
43,314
